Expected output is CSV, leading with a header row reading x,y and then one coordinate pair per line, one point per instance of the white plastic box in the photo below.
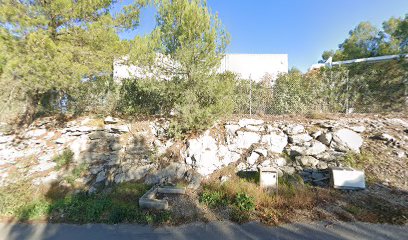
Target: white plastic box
x,y
268,178
347,178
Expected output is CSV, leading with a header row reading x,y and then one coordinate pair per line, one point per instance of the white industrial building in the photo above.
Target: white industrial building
x,y
254,66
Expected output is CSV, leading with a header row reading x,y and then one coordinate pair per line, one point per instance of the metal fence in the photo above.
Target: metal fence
x,y
368,89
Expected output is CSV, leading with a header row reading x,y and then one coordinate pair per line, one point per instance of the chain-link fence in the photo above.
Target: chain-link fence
x,y
363,88
366,88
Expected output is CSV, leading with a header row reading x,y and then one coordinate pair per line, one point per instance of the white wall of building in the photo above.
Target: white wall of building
x,y
255,65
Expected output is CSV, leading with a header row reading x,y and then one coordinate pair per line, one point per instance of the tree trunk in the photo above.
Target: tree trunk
x,y
30,110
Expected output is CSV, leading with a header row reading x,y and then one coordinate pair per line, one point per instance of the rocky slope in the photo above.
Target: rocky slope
x,y
113,150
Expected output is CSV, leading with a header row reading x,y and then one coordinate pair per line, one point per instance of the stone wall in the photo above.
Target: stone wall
x,y
288,147
115,151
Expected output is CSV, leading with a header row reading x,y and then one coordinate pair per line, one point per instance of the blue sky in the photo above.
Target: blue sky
x,y
301,28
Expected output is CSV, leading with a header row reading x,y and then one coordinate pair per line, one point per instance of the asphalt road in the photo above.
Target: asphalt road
x,y
213,231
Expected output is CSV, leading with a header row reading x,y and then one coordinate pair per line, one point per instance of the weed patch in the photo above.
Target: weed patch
x,y
245,200
356,160
213,198
64,159
22,202
76,173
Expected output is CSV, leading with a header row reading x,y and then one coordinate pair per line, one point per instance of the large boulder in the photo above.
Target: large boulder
x,y
206,162
280,162
325,138
358,129
307,161
276,141
253,128
203,154
300,138
110,120
78,146
231,129
330,156
345,140
35,133
206,156
134,173
296,151
226,156
201,144
246,139
245,122
261,151
315,148
251,160
295,129
173,172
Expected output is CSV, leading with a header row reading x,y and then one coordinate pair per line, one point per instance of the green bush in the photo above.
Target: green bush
x,y
378,87
244,202
292,93
239,216
77,172
213,198
64,159
358,160
146,96
201,103
260,94
34,210
98,95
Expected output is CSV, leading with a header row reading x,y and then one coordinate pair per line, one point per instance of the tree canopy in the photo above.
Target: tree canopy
x,y
366,40
56,44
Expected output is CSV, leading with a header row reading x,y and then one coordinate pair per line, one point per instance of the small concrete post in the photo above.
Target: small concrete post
x,y
268,178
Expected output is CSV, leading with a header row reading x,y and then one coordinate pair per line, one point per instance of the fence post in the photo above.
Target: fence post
x,y
347,92
250,95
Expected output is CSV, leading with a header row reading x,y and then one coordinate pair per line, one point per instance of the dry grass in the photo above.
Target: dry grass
x,y
96,122
270,208
319,115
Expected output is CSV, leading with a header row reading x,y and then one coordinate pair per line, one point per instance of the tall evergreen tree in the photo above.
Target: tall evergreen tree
x,y
54,44
190,42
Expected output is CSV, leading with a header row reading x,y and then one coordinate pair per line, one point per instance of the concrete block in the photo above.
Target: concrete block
x,y
171,190
153,203
151,194
148,200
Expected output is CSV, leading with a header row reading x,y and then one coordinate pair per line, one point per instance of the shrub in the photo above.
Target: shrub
x,y
254,96
213,198
239,215
64,159
34,210
196,51
378,87
77,172
202,103
244,202
146,96
358,160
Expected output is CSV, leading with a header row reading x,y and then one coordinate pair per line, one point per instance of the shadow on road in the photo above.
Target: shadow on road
x,y
212,230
